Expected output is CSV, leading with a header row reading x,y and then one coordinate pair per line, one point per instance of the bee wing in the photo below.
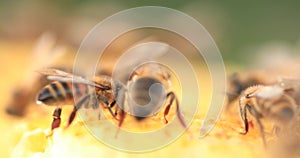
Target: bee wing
x,y
143,52
56,72
58,75
288,83
268,92
46,51
137,55
44,54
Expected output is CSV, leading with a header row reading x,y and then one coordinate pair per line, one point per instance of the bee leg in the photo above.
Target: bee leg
x,y
261,129
243,112
95,105
72,116
108,106
77,107
116,110
56,118
173,97
257,116
119,93
114,114
121,120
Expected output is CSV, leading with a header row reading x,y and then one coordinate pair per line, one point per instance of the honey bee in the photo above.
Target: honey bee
x,y
45,53
287,143
142,96
237,85
288,138
272,102
69,89
147,89
148,86
238,82
60,92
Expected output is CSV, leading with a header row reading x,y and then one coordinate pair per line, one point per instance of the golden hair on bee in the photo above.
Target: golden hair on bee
x,y
269,102
70,89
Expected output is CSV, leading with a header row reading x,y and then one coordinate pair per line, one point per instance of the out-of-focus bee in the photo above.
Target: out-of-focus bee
x,y
287,143
140,93
148,85
44,54
267,71
272,102
148,90
69,89
145,92
238,82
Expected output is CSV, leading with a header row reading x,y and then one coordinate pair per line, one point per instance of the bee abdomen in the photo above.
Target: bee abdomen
x,y
55,93
45,97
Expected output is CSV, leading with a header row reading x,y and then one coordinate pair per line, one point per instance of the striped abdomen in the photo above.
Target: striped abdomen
x,y
61,93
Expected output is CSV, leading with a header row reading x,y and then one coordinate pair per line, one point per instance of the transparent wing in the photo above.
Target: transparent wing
x,y
288,83
44,54
144,52
136,56
269,92
58,75
46,51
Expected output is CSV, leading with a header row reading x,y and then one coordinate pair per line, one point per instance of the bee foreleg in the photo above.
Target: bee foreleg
x,y
77,107
167,109
108,106
173,97
243,112
114,114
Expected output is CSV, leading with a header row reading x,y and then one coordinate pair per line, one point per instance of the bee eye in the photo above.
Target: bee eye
x,y
248,96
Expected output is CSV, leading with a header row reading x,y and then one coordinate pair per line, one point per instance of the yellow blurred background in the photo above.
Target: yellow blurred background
x,y
250,35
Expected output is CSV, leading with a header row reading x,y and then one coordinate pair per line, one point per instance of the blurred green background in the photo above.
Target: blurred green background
x,y
239,28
